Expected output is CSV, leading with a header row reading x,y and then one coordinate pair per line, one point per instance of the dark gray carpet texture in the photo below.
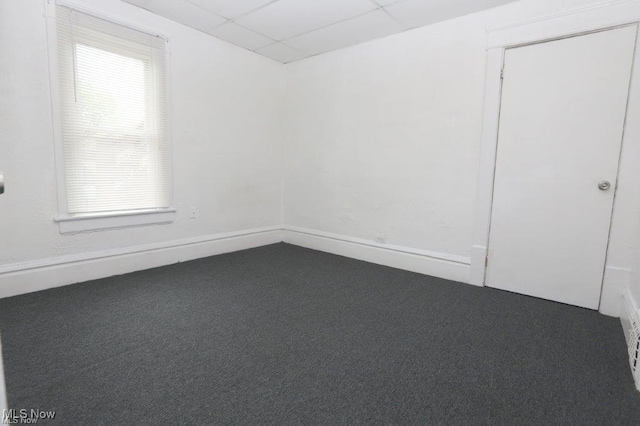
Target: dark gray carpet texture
x,y
286,335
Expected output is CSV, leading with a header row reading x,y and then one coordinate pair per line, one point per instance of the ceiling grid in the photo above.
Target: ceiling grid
x,y
289,30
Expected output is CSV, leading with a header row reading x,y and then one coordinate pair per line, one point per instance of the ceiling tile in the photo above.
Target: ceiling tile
x,y
140,3
185,13
281,53
346,33
415,13
234,33
387,2
288,18
308,27
230,8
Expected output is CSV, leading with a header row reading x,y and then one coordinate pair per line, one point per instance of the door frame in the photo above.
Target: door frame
x,y
592,17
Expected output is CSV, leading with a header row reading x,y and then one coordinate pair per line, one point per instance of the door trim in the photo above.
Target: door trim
x,y
596,17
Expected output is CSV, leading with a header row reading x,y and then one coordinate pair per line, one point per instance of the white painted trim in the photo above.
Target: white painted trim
x,y
36,275
56,110
83,257
168,84
426,253
488,149
443,265
478,265
630,310
94,222
27,277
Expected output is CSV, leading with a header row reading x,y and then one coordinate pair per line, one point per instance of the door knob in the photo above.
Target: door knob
x,y
1,183
604,185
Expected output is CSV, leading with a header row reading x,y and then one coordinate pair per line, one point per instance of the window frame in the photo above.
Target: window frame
x,y
74,223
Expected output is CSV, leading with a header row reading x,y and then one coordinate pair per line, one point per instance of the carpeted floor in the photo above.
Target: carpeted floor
x,y
286,335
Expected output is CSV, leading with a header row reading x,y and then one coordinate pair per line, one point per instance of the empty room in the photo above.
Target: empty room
x,y
320,212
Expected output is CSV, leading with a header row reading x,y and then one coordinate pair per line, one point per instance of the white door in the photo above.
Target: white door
x,y
561,123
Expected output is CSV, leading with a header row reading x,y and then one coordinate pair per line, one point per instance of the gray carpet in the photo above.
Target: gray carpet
x,y
286,335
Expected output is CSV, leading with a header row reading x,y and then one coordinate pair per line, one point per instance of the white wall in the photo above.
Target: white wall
x,y
226,126
383,144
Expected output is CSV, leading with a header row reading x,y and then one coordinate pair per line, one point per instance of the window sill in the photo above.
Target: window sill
x,y
100,221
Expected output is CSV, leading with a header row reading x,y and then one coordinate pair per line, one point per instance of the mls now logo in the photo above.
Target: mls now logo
x,y
25,416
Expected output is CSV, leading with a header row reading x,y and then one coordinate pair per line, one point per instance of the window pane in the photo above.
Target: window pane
x,y
110,89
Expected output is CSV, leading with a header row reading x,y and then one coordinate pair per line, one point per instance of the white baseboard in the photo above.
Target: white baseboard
x,y
27,277
628,312
442,265
31,276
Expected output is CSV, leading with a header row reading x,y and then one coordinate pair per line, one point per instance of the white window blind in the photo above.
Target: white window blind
x,y
112,92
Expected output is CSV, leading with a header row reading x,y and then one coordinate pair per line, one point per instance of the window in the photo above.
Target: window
x,y
113,127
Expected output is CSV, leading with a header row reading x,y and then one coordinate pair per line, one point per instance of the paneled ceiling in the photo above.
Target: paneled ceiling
x,y
289,30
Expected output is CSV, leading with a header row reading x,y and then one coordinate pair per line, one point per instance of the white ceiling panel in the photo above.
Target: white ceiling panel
x,y
230,8
387,2
417,13
140,3
234,33
373,25
303,28
281,53
287,18
185,13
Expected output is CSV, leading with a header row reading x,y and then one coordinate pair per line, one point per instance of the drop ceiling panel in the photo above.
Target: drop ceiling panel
x,y
387,2
230,8
234,33
366,27
288,30
417,13
185,13
287,18
140,3
281,53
